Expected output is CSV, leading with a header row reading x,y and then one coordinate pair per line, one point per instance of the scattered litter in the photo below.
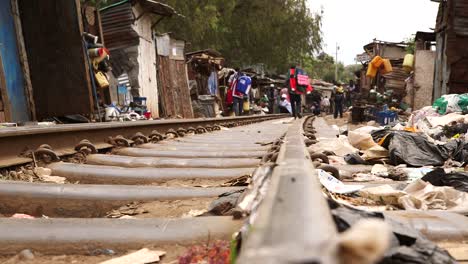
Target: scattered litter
x,y
419,195
332,184
457,180
379,170
354,159
53,179
129,209
127,217
141,256
408,245
41,172
368,177
385,194
225,203
416,173
26,254
193,213
359,244
339,145
22,216
416,150
240,181
361,141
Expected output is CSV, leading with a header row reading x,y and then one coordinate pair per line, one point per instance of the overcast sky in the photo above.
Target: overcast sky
x,y
354,23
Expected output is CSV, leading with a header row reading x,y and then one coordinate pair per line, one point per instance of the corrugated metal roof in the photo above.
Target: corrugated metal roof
x,y
117,26
118,19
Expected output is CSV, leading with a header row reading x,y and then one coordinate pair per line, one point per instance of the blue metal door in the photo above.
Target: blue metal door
x,y
11,65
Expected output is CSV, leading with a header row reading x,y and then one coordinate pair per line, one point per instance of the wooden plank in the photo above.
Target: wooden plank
x,y
52,32
2,117
23,58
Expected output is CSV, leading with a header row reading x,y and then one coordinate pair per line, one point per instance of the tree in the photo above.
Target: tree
x,y
273,32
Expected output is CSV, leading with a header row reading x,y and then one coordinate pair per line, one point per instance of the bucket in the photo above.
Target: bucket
x,y
387,67
371,71
377,61
408,62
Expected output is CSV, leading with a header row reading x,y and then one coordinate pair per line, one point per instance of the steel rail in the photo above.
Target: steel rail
x,y
293,224
16,142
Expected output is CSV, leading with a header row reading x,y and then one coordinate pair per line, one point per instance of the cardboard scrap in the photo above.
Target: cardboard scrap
x,y
142,256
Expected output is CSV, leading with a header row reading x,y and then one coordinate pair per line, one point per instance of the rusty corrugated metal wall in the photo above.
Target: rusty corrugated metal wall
x,y
173,88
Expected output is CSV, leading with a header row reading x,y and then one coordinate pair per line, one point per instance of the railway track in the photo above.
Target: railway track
x,y
162,180
253,185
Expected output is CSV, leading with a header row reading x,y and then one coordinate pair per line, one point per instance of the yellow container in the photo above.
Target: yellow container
x,y
408,62
387,67
377,61
246,106
371,71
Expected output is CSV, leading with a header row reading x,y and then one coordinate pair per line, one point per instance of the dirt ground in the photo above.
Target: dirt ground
x,y
172,254
345,121
166,209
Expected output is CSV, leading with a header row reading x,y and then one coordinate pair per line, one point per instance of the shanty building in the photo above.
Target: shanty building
x,y
394,80
44,70
451,64
128,28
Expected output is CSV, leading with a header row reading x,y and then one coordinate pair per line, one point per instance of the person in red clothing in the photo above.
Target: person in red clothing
x,y
298,84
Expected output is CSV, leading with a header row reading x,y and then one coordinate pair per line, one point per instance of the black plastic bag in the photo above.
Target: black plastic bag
x,y
457,180
354,159
415,149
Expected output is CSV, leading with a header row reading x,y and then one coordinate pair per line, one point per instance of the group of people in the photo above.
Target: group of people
x,y
290,102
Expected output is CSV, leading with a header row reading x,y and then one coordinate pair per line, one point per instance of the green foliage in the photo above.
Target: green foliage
x,y
411,41
273,32
322,67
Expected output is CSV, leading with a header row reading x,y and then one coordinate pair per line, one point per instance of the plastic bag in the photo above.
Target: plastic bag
x,y
451,103
457,180
360,140
416,150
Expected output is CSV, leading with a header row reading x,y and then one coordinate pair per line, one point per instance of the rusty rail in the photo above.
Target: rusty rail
x,y
293,223
16,144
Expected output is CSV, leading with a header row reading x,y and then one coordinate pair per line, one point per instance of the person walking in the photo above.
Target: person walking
x,y
240,85
339,100
298,84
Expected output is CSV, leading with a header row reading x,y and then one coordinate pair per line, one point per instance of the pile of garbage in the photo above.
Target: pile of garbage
x,y
421,164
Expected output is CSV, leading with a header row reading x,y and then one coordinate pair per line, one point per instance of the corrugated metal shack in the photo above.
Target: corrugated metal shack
x,y
395,80
173,78
128,28
45,72
203,67
451,69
